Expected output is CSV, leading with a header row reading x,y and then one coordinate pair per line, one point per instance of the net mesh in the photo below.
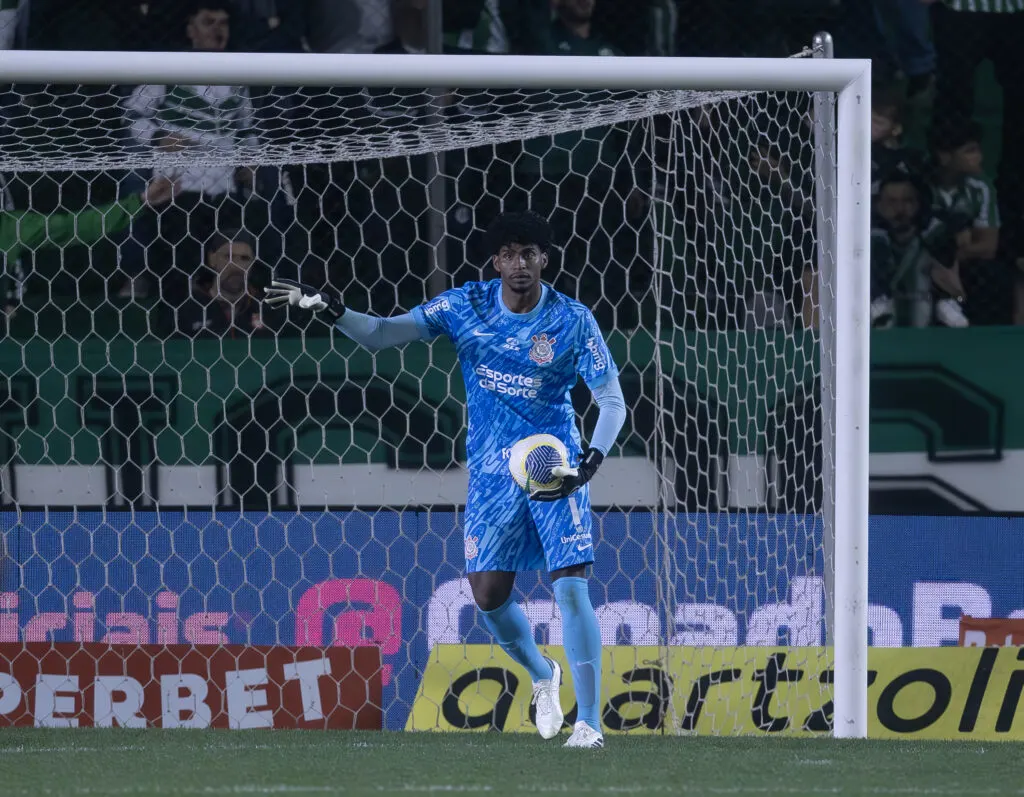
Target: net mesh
x,y
182,465
83,127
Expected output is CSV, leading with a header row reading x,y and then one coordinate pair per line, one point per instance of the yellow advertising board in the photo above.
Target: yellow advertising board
x,y
923,693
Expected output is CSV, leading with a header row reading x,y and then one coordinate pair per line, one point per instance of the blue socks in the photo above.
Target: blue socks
x,y
512,631
581,636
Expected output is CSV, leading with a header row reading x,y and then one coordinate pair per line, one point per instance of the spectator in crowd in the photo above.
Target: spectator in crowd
x,y
910,283
967,32
256,25
203,119
966,203
963,199
222,301
888,153
22,231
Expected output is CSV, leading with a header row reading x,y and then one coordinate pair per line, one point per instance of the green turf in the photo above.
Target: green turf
x,y
98,762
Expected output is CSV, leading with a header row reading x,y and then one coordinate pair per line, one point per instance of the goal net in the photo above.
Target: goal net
x,y
183,467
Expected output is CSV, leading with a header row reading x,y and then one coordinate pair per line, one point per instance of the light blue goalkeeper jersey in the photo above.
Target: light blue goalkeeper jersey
x,y
518,367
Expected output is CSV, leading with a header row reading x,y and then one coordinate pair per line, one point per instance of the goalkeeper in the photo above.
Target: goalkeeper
x,y
521,345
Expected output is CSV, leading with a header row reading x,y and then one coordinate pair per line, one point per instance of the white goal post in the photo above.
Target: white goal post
x,y
842,182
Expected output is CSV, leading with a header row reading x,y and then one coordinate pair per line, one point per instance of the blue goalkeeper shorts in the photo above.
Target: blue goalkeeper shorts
x,y
504,530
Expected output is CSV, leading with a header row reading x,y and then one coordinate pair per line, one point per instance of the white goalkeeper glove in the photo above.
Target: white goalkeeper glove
x,y
305,297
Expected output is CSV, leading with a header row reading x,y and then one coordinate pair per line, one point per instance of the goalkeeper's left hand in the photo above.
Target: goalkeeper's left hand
x,y
572,478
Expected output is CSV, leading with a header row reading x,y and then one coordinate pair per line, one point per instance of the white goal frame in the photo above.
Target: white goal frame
x,y
843,152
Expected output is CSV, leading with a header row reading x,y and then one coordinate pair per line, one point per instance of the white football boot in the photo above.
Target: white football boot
x,y
549,706
585,736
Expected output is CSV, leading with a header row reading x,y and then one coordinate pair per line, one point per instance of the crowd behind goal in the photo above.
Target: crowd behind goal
x,y
948,178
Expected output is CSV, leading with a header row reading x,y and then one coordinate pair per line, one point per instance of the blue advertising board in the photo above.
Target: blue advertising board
x,y
394,579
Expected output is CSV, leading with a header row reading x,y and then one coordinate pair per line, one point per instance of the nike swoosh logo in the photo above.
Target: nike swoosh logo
x,y
480,334
584,547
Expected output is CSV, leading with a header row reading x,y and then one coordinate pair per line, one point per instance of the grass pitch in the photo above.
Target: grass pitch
x,y
118,762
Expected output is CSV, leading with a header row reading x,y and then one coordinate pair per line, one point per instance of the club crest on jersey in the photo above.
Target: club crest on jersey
x,y
471,547
542,351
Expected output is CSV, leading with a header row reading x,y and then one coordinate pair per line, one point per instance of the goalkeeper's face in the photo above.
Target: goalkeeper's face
x,y
519,266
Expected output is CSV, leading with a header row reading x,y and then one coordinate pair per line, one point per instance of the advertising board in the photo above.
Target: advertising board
x,y
394,581
953,693
73,685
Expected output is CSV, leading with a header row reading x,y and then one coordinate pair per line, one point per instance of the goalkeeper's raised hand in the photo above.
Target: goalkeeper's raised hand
x,y
325,301
572,478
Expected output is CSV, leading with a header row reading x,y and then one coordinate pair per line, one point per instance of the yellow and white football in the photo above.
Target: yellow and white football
x,y
533,459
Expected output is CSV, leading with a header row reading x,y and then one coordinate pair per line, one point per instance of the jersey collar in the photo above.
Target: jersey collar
x,y
544,292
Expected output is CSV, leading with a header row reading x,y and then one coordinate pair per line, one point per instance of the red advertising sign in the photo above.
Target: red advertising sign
x,y
69,685
985,632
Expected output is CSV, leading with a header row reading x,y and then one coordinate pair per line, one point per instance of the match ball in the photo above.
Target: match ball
x,y
532,459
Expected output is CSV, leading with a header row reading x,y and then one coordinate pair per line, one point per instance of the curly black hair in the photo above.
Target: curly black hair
x,y
519,227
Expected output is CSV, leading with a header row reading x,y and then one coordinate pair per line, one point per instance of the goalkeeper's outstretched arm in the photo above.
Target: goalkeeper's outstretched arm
x,y
376,333
372,332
